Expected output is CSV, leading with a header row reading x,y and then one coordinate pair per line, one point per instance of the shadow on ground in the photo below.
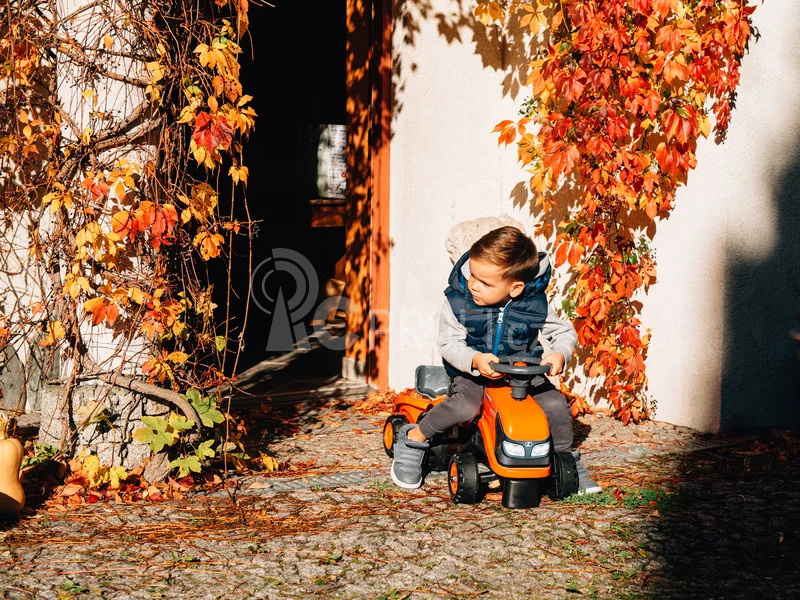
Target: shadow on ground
x,y
733,530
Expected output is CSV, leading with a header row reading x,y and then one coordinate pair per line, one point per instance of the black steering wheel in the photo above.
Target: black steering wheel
x,y
507,366
520,376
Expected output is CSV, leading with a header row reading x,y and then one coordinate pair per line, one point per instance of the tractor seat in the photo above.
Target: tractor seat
x,y
432,381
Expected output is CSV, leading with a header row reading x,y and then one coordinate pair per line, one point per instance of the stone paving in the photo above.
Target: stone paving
x,y
684,516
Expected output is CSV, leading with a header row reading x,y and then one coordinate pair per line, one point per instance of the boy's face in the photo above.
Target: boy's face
x,y
488,286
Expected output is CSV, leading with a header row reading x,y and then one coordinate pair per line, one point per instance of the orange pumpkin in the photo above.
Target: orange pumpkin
x,y
12,496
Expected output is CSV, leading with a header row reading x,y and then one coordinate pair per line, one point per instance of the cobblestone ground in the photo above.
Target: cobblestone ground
x,y
684,517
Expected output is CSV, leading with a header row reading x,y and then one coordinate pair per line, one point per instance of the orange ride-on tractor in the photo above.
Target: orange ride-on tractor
x,y
510,437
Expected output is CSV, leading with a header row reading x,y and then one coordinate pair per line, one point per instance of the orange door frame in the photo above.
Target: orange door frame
x,y
369,97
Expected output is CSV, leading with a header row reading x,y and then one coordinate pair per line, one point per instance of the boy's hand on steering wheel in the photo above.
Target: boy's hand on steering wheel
x,y
556,361
481,362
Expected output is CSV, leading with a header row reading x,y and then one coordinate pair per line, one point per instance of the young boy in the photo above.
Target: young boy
x,y
495,305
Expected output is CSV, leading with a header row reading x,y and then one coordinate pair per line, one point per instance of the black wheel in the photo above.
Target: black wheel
x,y
463,478
390,429
564,476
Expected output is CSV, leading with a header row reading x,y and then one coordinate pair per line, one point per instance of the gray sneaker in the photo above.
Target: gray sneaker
x,y
408,458
586,485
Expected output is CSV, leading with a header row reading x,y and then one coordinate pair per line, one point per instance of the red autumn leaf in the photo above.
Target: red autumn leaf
x,y
628,334
561,158
508,132
212,131
570,85
635,364
164,219
588,335
112,313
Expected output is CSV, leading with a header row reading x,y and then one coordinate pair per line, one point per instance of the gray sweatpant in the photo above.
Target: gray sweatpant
x,y
466,398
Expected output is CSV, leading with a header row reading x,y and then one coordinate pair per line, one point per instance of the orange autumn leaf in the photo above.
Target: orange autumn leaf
x,y
209,244
101,310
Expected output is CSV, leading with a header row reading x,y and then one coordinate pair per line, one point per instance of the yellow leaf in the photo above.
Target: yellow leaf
x,y
238,174
213,104
108,41
86,136
156,70
199,154
56,332
93,471
270,464
209,244
136,295
187,115
704,125
177,357
116,475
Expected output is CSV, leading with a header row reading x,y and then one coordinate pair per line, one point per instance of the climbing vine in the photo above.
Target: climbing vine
x,y
621,91
121,123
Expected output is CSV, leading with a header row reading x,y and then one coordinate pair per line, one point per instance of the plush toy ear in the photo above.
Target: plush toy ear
x,y
516,289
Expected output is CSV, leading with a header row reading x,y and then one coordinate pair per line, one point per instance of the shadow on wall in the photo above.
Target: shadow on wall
x,y
498,48
760,377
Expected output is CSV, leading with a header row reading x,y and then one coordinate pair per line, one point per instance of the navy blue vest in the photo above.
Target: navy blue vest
x,y
501,330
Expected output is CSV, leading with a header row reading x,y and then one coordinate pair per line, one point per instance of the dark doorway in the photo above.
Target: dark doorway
x,y
293,64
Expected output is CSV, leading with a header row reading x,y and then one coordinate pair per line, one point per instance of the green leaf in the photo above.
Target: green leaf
x,y
205,450
180,423
186,464
192,396
156,432
220,342
206,409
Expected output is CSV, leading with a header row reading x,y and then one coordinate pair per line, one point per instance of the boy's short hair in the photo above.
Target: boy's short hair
x,y
509,249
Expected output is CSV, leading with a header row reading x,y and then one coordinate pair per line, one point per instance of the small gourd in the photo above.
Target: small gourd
x,y
12,496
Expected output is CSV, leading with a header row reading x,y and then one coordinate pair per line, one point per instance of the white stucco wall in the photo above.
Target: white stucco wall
x,y
446,168
728,284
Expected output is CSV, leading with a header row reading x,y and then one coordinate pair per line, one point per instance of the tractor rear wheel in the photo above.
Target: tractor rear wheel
x,y
390,430
463,478
565,476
